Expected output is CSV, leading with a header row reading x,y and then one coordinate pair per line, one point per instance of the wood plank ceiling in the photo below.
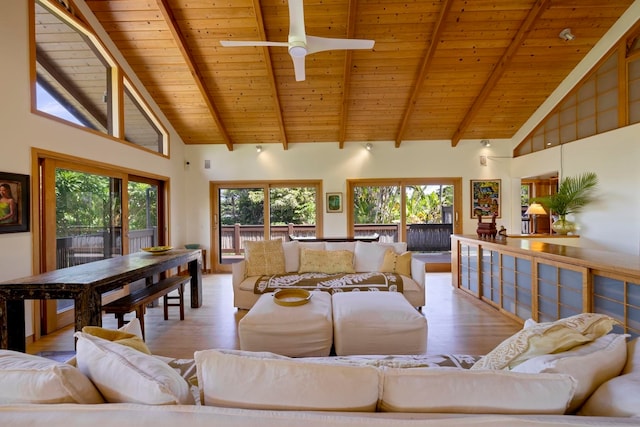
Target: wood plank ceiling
x,y
449,69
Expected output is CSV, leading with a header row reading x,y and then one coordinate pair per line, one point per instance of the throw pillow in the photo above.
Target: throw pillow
x,y
284,383
328,262
264,257
369,256
291,256
396,263
25,378
618,397
591,365
454,390
633,356
125,375
118,336
546,338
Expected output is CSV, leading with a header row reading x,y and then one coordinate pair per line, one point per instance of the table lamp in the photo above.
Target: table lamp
x,y
534,210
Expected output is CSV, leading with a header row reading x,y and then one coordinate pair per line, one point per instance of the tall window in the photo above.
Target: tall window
x,y
79,82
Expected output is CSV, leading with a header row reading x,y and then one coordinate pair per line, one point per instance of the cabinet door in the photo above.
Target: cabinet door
x,y
561,290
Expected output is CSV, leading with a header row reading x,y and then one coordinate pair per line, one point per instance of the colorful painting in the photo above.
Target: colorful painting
x,y
485,198
14,203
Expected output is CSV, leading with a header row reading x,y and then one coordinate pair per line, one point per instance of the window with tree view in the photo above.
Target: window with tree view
x,y
420,212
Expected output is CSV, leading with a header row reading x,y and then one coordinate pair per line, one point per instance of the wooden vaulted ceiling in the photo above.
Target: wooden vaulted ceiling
x,y
448,69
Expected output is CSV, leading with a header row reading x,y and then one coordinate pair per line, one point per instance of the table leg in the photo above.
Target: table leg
x,y
88,307
196,283
12,333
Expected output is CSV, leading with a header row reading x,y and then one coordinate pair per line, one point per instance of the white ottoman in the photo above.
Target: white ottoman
x,y
299,331
377,323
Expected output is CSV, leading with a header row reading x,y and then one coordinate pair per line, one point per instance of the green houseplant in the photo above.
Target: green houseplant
x,y
574,192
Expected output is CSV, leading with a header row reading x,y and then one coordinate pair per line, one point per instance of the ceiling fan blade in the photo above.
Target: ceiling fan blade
x,y
319,44
296,22
231,43
298,67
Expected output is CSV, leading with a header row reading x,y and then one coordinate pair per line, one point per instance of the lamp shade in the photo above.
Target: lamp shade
x,y
535,209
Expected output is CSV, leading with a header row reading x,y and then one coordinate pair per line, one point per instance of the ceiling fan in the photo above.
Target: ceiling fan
x,y
300,44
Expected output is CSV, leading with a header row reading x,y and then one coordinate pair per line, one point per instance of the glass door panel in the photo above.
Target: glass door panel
x,y
143,215
292,212
377,209
241,214
429,217
88,222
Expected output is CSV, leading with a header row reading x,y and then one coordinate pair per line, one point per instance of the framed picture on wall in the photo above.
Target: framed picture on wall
x,y
14,203
334,202
485,198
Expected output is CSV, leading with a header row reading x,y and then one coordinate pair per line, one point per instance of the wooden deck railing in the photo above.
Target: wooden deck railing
x,y
420,237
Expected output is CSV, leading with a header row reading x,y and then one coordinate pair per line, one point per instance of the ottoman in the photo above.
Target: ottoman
x,y
377,323
299,331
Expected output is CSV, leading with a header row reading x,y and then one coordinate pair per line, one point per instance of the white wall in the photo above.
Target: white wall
x,y
334,166
611,222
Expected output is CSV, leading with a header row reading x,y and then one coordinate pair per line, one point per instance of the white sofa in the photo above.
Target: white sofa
x,y
366,257
598,378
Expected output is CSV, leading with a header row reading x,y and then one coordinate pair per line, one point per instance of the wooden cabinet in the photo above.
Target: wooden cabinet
x,y
526,279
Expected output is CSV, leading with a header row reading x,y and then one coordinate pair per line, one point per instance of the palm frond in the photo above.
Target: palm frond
x,y
573,194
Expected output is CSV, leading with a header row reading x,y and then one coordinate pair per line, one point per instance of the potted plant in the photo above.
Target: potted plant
x,y
574,192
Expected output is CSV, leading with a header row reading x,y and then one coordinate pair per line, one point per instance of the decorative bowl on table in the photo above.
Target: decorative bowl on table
x,y
157,250
291,297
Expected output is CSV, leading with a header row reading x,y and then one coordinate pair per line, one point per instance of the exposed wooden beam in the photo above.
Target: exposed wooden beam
x,y
500,68
181,43
438,27
346,82
271,76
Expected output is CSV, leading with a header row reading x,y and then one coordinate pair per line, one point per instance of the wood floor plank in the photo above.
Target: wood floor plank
x,y
457,323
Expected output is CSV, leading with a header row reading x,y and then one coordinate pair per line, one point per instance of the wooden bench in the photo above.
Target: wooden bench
x,y
138,300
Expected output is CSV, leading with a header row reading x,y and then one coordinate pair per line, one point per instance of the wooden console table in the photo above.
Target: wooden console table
x,y
85,284
544,281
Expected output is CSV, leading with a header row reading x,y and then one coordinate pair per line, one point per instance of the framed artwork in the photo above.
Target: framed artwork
x,y
14,203
334,202
485,197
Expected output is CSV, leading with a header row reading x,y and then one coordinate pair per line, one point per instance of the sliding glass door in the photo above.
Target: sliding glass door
x,y
244,211
90,213
423,212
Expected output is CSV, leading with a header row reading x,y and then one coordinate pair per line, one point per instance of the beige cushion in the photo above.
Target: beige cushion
x,y
590,364
617,397
125,375
369,256
25,378
264,257
377,323
299,331
546,338
464,391
242,381
118,336
329,262
396,263
291,256
340,246
633,357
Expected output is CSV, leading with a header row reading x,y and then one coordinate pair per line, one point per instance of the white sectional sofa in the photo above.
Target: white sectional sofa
x,y
113,381
296,257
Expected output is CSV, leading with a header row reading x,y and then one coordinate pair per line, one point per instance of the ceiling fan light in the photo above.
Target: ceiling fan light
x,y
298,51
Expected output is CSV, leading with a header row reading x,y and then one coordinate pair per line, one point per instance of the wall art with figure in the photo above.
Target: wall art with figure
x,y
14,203
485,198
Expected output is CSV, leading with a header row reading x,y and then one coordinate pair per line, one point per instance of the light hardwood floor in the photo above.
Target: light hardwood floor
x,y
457,323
